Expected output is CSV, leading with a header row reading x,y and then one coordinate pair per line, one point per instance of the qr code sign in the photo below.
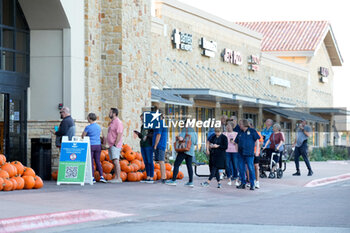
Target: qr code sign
x,y
71,172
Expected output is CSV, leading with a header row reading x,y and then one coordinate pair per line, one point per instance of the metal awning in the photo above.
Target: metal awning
x,y
168,98
332,111
296,115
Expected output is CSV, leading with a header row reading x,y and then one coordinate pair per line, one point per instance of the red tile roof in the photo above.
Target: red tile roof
x,y
289,35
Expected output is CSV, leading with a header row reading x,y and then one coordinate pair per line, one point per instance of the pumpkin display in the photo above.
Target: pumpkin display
x,y
143,166
126,148
29,182
8,185
107,167
130,155
123,176
168,175
156,166
38,182
14,183
123,162
108,176
144,175
138,156
127,168
29,172
2,159
133,176
102,156
20,182
54,175
4,174
168,166
2,183
11,170
180,175
159,174
19,166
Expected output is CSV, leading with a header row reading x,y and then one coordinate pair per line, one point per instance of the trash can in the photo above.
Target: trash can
x,y
41,157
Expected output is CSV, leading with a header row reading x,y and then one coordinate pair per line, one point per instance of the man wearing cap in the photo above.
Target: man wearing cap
x,y
301,147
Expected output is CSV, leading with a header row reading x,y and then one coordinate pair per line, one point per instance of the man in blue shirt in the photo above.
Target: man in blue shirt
x,y
247,139
159,141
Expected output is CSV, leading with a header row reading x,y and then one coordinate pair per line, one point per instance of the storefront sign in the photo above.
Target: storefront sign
x,y
75,162
233,57
209,47
323,72
182,40
279,82
253,63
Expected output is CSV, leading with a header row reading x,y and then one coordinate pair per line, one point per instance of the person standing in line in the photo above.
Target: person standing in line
x,y
301,147
235,126
247,139
217,150
223,129
186,155
231,154
266,132
115,142
159,143
146,136
66,128
93,131
256,158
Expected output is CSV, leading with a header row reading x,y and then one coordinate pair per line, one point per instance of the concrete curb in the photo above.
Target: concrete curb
x,y
27,223
327,180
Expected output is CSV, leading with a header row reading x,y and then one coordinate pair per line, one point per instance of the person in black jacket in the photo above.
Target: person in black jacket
x,y
217,150
66,128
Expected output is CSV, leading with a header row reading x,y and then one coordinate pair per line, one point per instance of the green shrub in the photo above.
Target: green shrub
x,y
201,157
329,153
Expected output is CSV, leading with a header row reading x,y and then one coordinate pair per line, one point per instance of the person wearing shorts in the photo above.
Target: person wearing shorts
x,y
160,138
256,158
115,142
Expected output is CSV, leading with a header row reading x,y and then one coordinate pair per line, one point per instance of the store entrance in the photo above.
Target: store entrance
x,y
12,126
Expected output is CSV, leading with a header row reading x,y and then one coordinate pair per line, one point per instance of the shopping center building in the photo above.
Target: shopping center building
x,y
96,54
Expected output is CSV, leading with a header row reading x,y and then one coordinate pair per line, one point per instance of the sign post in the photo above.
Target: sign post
x,y
75,162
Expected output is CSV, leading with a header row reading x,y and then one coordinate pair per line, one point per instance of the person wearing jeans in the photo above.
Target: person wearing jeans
x,y
146,136
231,154
93,131
247,139
186,155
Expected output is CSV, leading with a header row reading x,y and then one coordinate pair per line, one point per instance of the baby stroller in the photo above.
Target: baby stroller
x,y
269,162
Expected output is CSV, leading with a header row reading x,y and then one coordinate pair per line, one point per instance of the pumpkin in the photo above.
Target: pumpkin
x,y
133,176
127,168
2,159
159,174
38,182
14,183
168,166
2,183
102,156
97,176
29,182
156,166
8,185
123,161
11,170
130,155
126,148
155,176
107,167
108,176
113,175
54,175
123,176
4,174
144,175
180,175
29,172
143,166
19,166
107,157
139,156
20,182
168,174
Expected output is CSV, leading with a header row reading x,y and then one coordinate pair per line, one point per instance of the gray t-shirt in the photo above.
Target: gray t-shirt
x,y
301,137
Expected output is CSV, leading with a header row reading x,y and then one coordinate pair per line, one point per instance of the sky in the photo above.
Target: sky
x,y
335,11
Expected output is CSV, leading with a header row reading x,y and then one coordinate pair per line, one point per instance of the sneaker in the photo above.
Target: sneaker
x,y
143,181
163,181
189,184
103,180
310,173
93,180
219,185
257,184
297,173
116,181
237,183
171,182
205,184
221,176
241,186
252,187
248,185
229,183
150,181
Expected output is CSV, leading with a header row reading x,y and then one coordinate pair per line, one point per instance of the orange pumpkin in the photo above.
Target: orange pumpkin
x,y
139,156
38,182
143,166
126,148
29,182
14,183
123,176
54,175
2,183
11,170
138,162
2,159
8,185
168,175
107,167
144,175
19,166
168,166
156,166
4,174
180,175
107,157
155,176
159,174
20,182
130,155
123,162
133,176
127,168
97,176
108,176
102,156
29,172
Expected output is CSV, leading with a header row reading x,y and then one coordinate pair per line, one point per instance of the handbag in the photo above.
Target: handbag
x,y
183,144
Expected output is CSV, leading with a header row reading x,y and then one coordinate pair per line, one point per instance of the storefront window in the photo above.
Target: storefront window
x,y
254,117
7,12
7,61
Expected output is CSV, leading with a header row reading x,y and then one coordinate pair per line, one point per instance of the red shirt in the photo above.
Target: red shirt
x,y
275,139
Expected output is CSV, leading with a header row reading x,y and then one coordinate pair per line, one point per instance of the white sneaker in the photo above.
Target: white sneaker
x,y
257,185
229,183
221,176
237,183
247,185
116,181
